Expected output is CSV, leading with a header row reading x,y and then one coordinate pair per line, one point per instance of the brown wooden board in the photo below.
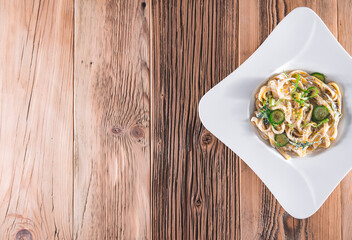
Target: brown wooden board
x,y
36,127
100,136
344,26
194,176
112,109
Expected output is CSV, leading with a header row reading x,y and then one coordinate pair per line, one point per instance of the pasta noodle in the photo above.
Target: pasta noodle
x,y
298,112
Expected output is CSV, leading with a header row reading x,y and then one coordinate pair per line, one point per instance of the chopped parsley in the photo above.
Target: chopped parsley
x,y
264,113
300,144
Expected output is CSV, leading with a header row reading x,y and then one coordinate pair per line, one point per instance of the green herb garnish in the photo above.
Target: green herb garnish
x,y
299,99
264,113
300,144
297,81
310,89
294,93
272,102
322,122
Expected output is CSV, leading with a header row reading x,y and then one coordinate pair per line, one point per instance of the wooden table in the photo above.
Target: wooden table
x,y
100,136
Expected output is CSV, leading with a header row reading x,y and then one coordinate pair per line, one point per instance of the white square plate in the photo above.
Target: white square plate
x,y
300,41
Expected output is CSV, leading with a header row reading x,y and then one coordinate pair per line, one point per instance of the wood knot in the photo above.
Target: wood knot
x,y
24,234
207,139
144,5
116,130
198,202
137,132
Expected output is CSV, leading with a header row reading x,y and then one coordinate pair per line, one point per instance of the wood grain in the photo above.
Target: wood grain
x,y
112,103
36,103
344,21
100,136
262,217
258,206
326,222
194,176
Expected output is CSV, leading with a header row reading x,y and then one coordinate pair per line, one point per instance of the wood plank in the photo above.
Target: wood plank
x,y
326,222
259,209
345,38
36,104
262,217
194,176
112,119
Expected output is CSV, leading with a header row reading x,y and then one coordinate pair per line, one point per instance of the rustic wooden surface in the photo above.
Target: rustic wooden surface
x,y
100,136
344,25
112,120
195,185
36,127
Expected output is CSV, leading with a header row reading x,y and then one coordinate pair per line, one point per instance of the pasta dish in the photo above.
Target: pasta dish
x,y
298,112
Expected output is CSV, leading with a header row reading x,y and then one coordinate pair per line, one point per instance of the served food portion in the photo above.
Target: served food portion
x,y
298,112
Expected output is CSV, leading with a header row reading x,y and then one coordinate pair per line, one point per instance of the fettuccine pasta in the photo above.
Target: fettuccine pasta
x,y
298,112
